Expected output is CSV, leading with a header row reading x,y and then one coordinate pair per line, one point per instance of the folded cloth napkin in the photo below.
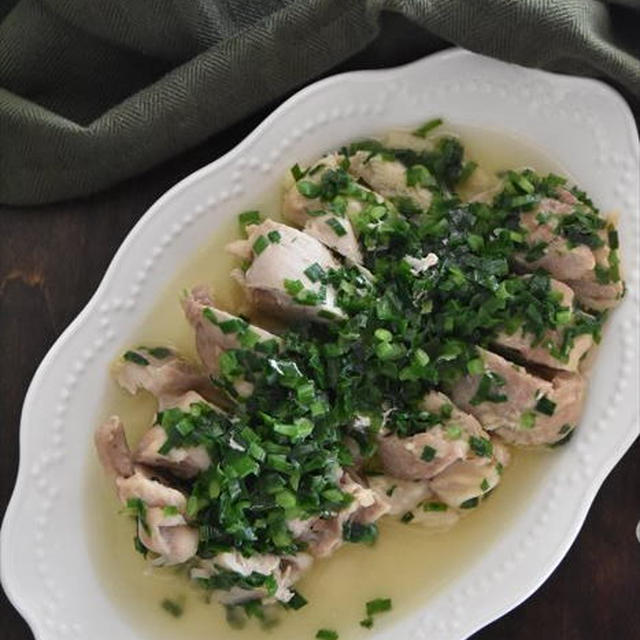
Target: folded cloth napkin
x,y
94,91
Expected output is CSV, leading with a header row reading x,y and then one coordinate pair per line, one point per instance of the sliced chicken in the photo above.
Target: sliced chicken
x,y
560,260
168,536
413,501
402,495
218,331
523,408
423,455
520,341
340,237
286,570
578,266
168,381
596,296
314,215
278,279
463,483
167,377
592,293
404,457
390,178
184,462
162,527
324,535
113,450
144,485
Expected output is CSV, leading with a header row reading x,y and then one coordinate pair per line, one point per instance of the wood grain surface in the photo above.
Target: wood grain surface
x,y
51,261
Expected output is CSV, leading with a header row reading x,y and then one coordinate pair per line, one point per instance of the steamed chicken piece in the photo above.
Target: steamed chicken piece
x,y
146,485
423,455
315,217
286,570
184,462
163,531
402,495
277,280
164,380
113,450
530,410
574,265
559,259
520,341
168,536
324,535
388,177
468,465
218,331
466,481
594,294
165,375
415,497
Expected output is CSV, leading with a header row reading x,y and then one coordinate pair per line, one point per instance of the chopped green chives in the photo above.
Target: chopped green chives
x,y
260,244
247,218
293,287
274,236
337,226
379,605
384,335
434,506
527,419
326,634
419,176
315,272
481,446
305,393
428,453
172,607
308,189
297,172
233,325
297,602
475,366
545,406
136,358
467,171
389,351
158,352
453,432
430,125
563,317
358,532
475,242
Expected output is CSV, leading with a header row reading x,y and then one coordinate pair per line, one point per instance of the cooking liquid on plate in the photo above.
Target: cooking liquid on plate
x,y
408,563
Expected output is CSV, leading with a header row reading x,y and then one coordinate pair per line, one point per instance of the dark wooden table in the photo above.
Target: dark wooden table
x,y
51,261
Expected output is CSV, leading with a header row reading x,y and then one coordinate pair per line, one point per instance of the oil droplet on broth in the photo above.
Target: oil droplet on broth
x,y
407,564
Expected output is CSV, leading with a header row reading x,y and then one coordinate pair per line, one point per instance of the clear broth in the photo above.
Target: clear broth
x,y
408,564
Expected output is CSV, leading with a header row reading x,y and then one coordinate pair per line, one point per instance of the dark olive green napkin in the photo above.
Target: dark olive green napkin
x,y
94,91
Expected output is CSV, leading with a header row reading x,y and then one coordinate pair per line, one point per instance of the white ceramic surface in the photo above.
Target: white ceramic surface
x,y
45,567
